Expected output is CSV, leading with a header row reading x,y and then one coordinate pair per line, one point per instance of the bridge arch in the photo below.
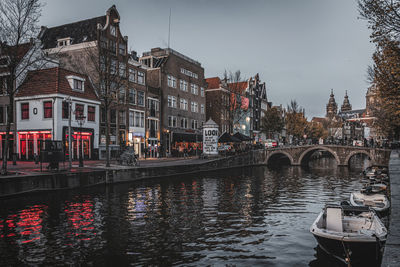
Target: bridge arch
x,y
311,150
353,153
280,152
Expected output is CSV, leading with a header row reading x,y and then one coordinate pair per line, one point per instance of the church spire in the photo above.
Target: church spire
x,y
346,103
331,107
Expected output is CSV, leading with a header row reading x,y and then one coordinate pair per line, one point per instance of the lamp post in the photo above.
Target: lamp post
x,y
81,120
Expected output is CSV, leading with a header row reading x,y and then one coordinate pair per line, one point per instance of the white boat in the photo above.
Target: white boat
x,y
350,234
378,202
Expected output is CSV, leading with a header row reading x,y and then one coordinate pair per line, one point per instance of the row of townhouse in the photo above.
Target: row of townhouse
x,y
238,106
157,102
157,107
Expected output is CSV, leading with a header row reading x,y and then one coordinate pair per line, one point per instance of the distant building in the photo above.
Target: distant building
x,y
181,82
331,107
218,99
346,106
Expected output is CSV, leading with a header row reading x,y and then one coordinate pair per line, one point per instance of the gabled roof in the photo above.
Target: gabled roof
x,y
20,51
80,31
238,87
213,83
54,80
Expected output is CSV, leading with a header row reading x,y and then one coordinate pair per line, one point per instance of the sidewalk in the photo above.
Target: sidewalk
x,y
30,166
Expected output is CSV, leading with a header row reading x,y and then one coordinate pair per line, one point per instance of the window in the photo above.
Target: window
x,y
132,75
194,89
184,104
131,118
171,81
184,123
1,114
152,104
78,85
194,107
122,49
65,110
172,121
113,116
202,108
140,78
48,109
91,113
138,119
112,46
78,111
113,66
122,69
132,96
122,117
24,111
184,85
202,91
171,101
140,98
113,30
121,95
195,124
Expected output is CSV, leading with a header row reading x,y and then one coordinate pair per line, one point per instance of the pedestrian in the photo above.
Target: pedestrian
x,y
185,153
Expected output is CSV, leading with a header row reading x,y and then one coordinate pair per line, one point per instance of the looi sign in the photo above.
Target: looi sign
x,y
210,138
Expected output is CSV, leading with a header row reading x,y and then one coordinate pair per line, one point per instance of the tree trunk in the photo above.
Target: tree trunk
x,y
107,111
10,113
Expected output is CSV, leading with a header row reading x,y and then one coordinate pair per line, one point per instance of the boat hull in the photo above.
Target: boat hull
x,y
370,252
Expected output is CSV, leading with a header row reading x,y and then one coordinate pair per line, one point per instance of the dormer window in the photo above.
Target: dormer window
x,y
77,83
113,30
64,42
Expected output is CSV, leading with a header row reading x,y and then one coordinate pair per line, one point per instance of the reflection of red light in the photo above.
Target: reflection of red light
x,y
80,216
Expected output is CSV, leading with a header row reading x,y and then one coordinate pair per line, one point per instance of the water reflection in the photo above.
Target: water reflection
x,y
240,217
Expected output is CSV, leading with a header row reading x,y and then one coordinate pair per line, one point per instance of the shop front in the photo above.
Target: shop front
x,y
153,146
136,139
82,143
29,143
191,142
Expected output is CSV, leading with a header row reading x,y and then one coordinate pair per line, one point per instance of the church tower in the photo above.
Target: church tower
x,y
346,104
331,107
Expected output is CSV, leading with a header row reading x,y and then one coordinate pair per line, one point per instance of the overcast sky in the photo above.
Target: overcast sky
x,y
300,48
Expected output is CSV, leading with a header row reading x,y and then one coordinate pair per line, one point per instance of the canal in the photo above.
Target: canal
x,y
242,217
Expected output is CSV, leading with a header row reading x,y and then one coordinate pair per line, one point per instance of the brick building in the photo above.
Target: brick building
x,y
96,47
182,85
218,104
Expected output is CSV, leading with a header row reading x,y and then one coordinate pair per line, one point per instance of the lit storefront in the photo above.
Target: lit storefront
x,y
190,141
136,139
29,143
82,142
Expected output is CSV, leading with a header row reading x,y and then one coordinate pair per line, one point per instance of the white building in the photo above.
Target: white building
x,y
42,112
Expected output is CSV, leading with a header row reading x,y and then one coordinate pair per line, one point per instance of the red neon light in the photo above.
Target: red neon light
x,y
35,132
83,133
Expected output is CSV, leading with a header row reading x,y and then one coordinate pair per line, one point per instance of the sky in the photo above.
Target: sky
x,y
301,48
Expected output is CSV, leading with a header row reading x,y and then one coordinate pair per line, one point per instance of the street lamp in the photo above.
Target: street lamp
x,y
81,120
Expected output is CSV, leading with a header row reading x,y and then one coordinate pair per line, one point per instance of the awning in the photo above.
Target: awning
x,y
187,137
227,138
242,137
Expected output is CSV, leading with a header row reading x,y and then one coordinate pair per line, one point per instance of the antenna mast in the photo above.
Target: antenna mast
x,y
169,28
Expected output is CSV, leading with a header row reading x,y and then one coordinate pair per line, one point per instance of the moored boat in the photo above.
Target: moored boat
x,y
378,202
350,234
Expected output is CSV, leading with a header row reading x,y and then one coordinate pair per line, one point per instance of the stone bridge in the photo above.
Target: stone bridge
x,y
300,155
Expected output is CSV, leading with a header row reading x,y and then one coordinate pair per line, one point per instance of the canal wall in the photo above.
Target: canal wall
x,y
39,182
391,256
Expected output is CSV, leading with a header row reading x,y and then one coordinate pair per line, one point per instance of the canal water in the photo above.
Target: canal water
x,y
241,217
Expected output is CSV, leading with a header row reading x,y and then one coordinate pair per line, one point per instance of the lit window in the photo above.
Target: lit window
x,y
24,111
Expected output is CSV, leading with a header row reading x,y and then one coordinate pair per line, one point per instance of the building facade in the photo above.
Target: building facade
x,y
45,103
181,82
97,48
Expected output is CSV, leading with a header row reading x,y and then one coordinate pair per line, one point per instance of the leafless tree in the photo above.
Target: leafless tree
x,y
20,51
107,74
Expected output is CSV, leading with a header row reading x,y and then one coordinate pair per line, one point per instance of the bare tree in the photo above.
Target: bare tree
x,y
19,49
108,75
